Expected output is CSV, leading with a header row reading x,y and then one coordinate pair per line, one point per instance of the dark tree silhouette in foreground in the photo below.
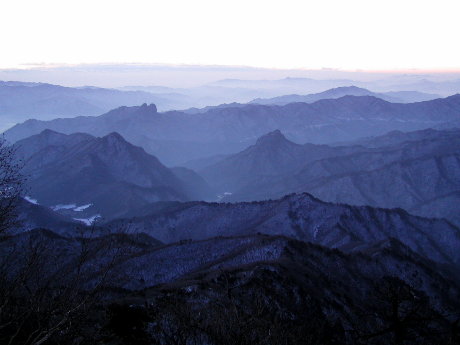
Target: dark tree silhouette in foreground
x,y
11,183
399,314
47,283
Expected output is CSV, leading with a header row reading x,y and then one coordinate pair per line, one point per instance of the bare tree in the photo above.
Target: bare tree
x,y
48,283
11,186
400,315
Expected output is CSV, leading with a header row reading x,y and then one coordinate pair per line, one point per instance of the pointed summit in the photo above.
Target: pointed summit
x,y
50,133
272,155
274,137
113,137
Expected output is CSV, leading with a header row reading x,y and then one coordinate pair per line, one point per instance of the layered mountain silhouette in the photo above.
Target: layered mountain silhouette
x,y
177,137
395,97
399,137
108,175
329,218
271,156
418,171
21,101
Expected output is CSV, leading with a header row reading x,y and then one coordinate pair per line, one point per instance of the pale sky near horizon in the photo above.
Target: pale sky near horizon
x,y
353,34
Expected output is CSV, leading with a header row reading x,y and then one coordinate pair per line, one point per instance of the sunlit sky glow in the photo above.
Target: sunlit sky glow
x,y
369,35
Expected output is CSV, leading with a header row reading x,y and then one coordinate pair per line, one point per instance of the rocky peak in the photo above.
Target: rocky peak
x,y
149,109
272,138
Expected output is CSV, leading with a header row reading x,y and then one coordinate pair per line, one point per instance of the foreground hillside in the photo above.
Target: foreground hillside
x,y
255,289
251,273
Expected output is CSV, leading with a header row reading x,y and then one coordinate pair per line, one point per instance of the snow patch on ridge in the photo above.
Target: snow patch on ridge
x,y
88,221
31,200
63,207
83,207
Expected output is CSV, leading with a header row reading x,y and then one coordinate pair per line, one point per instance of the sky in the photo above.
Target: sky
x,y
348,35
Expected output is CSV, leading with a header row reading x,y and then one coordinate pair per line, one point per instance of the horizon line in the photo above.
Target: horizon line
x,y
56,65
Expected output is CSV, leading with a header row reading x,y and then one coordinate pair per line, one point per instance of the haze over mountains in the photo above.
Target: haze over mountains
x,y
22,100
237,223
229,173
395,97
394,83
176,137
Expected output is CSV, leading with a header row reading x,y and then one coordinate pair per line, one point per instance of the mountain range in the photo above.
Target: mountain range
x,y
302,217
20,101
394,97
324,218
418,171
394,83
176,137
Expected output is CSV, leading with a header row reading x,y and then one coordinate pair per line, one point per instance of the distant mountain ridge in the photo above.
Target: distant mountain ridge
x,y
20,101
177,137
394,97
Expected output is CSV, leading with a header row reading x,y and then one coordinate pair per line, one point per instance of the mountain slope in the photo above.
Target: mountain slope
x,y
418,171
302,217
191,262
398,137
31,216
107,175
271,156
264,287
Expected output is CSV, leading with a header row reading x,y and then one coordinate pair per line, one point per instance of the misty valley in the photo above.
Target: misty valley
x,y
291,211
